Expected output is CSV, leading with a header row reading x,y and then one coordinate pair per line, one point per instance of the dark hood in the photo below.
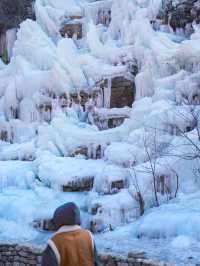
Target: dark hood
x,y
67,214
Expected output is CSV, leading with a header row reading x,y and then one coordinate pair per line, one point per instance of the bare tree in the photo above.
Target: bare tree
x,y
152,155
191,141
137,195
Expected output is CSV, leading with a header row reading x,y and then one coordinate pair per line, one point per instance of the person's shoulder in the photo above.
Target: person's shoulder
x,y
89,233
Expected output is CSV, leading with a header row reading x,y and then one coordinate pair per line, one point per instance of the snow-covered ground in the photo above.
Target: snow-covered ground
x,y
154,153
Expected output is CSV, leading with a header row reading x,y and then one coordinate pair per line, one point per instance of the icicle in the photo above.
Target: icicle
x,y
107,93
99,100
11,36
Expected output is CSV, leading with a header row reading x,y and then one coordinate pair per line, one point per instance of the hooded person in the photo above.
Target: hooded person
x,y
70,245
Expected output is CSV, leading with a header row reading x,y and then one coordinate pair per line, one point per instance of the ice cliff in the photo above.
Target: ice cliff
x,y
99,104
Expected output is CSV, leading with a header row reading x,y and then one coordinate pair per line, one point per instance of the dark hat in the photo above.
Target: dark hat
x,y
67,214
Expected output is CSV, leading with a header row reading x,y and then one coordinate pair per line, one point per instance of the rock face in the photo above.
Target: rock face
x,y
13,12
45,224
104,16
16,255
109,120
12,254
122,92
72,30
182,14
79,185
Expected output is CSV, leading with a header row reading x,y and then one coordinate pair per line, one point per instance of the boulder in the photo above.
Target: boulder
x,y
122,92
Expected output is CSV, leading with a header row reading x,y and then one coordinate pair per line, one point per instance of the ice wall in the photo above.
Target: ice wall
x,y
43,122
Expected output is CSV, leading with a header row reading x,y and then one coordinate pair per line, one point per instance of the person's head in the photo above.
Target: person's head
x,y
67,214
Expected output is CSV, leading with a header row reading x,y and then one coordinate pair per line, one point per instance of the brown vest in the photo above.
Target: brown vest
x,y
74,248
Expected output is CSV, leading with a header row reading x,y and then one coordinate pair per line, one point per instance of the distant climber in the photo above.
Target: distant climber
x,y
70,245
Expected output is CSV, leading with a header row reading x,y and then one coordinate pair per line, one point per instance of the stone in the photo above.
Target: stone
x,y
94,208
115,122
110,118
71,30
79,185
122,92
4,135
118,184
104,258
181,14
83,97
81,151
16,264
32,256
122,264
32,262
96,225
136,255
104,16
44,224
23,253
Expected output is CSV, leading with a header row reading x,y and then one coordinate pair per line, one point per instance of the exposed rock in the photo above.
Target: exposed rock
x,y
13,12
118,184
104,16
115,121
110,118
108,122
81,151
79,185
181,14
94,208
140,255
83,97
18,255
72,29
96,225
44,224
122,91
93,151
3,47
4,135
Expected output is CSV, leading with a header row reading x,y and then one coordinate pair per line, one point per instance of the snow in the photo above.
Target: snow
x,y
40,139
182,217
49,14
63,170
34,46
182,242
121,241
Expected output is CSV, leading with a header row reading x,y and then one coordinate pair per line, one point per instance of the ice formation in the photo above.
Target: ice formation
x,y
55,89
